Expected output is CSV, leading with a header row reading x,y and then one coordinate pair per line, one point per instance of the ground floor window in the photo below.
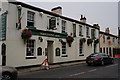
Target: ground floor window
x,y
30,48
107,50
81,49
39,51
101,50
64,50
104,50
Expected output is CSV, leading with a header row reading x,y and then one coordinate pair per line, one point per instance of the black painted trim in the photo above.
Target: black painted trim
x,y
30,57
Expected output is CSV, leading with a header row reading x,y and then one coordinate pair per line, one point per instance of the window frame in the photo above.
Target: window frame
x,y
30,45
81,49
80,30
64,50
63,26
38,53
88,32
30,18
3,26
74,30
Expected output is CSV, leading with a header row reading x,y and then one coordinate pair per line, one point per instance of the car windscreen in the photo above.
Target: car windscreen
x,y
94,55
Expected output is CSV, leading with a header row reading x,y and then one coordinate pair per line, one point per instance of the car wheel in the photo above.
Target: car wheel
x,y
102,63
88,64
7,76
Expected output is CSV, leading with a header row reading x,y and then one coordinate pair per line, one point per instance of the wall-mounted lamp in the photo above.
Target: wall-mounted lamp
x,y
40,38
6,12
41,13
19,6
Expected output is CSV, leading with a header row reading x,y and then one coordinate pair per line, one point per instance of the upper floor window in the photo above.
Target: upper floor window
x,y
52,23
30,18
113,40
87,32
3,24
63,26
92,34
74,30
80,31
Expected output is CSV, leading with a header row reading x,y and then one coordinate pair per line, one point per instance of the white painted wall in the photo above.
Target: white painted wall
x,y
106,45
16,49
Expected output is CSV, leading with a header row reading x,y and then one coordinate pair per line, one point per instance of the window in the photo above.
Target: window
x,y
39,51
3,23
64,50
87,32
80,30
107,50
30,51
74,30
57,51
52,23
63,26
101,50
30,18
92,34
81,49
113,40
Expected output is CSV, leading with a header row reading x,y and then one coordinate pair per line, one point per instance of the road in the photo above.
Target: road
x,y
76,71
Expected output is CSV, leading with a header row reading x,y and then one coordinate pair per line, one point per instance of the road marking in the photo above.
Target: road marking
x,y
78,74
111,65
92,70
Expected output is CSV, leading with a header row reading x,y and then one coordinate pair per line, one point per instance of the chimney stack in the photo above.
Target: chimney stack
x,y
96,25
107,30
57,10
83,19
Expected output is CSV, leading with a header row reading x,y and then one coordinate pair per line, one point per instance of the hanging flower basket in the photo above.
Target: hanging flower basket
x,y
89,41
96,41
26,34
82,40
109,43
69,39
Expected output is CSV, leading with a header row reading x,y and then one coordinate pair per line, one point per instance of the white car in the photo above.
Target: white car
x,y
8,73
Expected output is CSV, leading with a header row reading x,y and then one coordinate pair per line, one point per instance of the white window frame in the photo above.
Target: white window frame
x,y
64,50
80,30
81,49
87,31
63,26
31,17
33,47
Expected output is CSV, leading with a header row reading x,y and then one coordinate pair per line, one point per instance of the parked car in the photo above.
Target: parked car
x,y
99,58
8,73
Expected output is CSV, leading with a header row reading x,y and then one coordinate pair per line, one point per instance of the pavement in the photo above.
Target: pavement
x,y
33,69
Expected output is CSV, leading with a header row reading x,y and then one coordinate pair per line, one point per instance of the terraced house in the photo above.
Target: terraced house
x,y
31,34
109,43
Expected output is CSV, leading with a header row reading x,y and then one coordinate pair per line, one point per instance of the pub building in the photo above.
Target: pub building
x,y
29,35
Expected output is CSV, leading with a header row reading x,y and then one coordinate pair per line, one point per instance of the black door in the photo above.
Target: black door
x,y
3,54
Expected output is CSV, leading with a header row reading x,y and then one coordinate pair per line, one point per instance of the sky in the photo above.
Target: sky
x,y
104,13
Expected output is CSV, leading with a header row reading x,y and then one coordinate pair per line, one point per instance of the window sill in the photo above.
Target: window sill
x,y
81,55
88,36
64,56
31,57
81,35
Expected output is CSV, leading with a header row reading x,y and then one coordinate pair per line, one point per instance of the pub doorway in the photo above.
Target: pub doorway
x,y
50,51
